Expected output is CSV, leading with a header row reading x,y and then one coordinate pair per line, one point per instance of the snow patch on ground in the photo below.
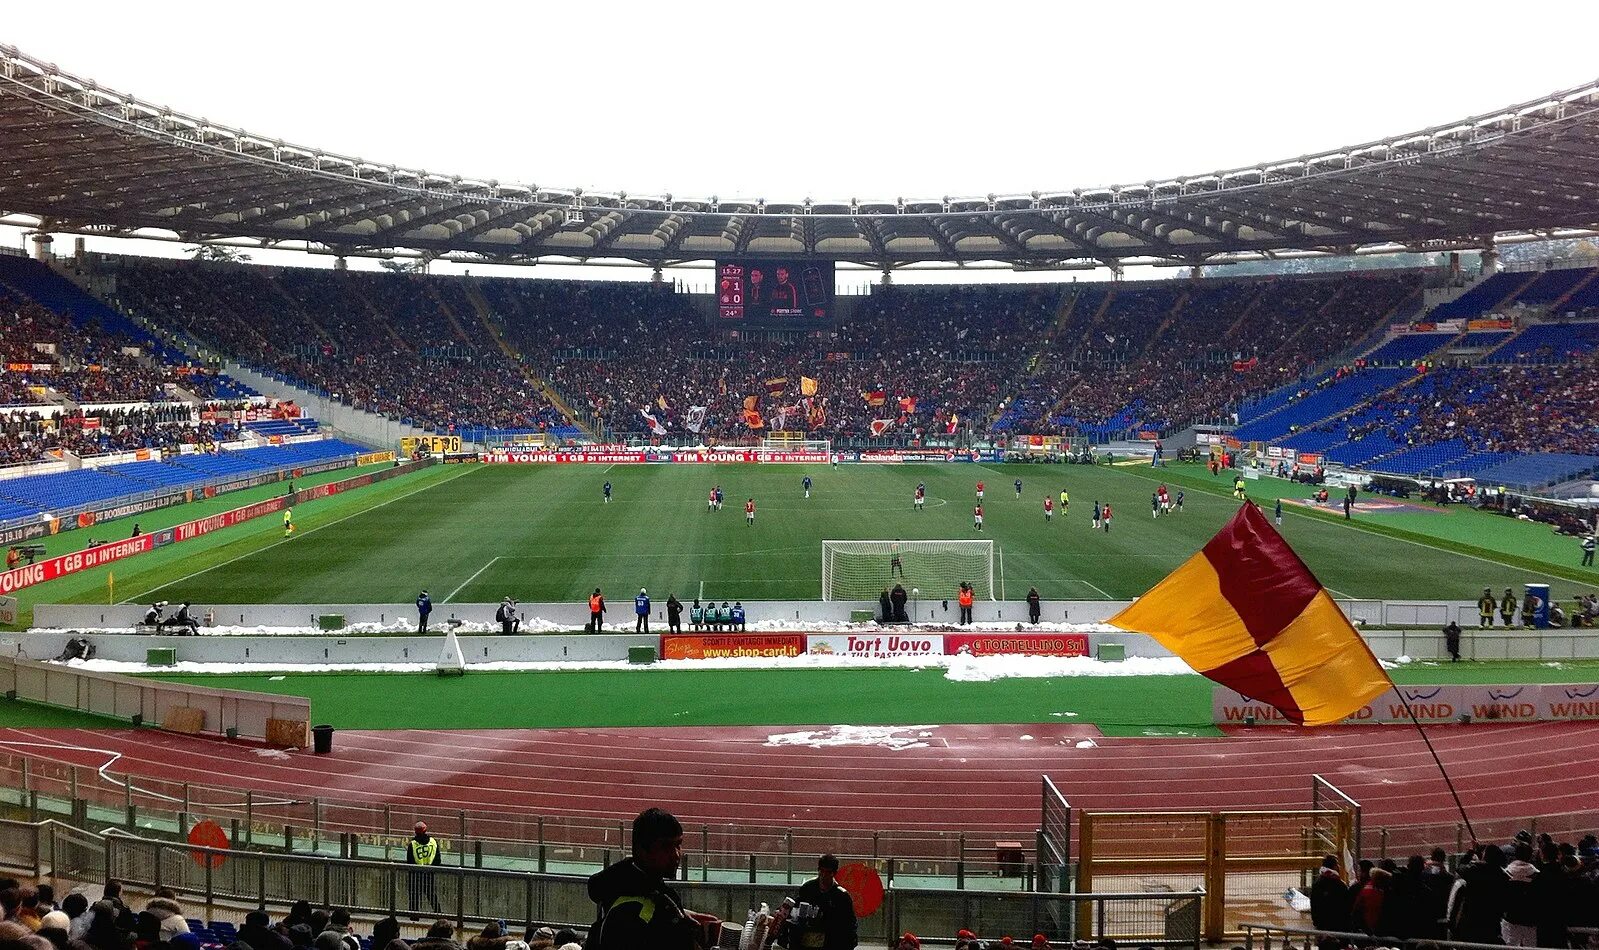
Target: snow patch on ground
x,y
893,738
1087,744
962,668
1026,739
272,753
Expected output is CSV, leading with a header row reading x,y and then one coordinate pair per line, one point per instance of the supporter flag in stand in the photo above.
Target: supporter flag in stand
x,y
696,419
752,412
807,386
907,404
1246,612
875,398
775,387
880,426
653,421
953,425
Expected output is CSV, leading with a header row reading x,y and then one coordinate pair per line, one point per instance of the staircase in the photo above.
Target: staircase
x,y
1046,346
449,313
1171,318
485,316
1581,285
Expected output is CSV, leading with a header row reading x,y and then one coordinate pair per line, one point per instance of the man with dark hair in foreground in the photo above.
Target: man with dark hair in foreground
x,y
823,917
637,908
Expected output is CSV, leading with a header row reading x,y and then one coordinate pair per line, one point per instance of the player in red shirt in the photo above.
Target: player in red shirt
x,y
749,512
977,517
1049,508
979,491
1104,517
921,496
710,501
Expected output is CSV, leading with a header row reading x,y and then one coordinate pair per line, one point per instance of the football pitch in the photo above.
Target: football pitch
x,y
474,534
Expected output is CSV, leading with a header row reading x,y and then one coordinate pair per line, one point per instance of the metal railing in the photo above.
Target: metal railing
x,y
230,881
44,788
1260,936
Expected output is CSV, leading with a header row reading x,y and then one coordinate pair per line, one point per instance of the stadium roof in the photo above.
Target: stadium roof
x,y
75,157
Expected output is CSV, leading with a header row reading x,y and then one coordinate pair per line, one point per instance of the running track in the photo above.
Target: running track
x,y
982,779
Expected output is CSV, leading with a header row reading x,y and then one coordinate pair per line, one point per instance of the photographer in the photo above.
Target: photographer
x,y
182,623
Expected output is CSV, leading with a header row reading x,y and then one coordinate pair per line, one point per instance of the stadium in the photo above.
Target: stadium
x,y
1241,590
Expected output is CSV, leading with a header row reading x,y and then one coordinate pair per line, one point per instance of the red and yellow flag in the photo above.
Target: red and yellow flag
x,y
1246,612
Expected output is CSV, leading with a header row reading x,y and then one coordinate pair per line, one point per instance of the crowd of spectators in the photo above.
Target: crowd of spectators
x,y
28,434
1512,409
390,344
1157,357
1528,893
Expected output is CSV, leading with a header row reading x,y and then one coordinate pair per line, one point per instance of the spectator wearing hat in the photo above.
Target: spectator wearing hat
x,y
422,851
506,616
424,607
162,918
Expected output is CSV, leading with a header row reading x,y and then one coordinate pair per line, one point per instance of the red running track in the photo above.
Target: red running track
x,y
973,778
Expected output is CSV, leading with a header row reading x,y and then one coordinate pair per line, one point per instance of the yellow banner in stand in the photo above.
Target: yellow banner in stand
x,y
430,444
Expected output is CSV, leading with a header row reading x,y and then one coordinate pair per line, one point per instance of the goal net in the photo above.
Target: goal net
x,y
859,570
786,442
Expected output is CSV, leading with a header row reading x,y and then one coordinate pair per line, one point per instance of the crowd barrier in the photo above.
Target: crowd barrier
x,y
1266,936
230,712
228,882
666,455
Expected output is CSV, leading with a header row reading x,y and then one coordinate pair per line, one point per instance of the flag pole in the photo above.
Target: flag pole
x,y
1438,762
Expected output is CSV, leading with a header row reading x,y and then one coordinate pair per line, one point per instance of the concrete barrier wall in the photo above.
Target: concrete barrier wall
x,y
112,694
619,615
311,651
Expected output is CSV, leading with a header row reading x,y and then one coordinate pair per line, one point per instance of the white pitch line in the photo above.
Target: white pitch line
x,y
1101,590
464,471
451,595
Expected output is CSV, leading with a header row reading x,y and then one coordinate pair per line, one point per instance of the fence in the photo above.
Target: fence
x,y
92,796
229,881
1054,840
1244,860
1324,795
1400,841
223,711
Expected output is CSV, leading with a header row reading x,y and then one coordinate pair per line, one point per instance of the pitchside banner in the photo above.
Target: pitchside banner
x,y
1440,704
15,580
712,646
1017,644
877,645
663,456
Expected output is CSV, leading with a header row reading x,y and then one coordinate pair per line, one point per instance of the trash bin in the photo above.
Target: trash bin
x,y
322,739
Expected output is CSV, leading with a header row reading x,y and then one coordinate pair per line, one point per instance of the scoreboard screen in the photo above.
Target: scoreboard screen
x,y
774,291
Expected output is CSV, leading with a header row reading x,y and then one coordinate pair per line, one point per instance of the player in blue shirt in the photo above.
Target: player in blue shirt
x,y
1279,513
1179,501
738,615
807,483
1018,488
1096,514
607,491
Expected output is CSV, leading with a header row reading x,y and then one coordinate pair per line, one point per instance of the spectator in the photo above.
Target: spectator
x,y
422,852
162,918
102,932
1477,901
260,935
76,907
637,908
1521,914
1329,898
492,937
1366,909
1034,605
832,926
440,936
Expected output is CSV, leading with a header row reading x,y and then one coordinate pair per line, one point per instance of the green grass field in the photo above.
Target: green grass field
x,y
1119,705
541,533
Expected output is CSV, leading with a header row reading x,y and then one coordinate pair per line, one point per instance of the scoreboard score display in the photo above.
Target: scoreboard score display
x,y
774,291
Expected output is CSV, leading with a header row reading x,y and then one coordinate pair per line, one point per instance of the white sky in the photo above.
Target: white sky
x,y
824,99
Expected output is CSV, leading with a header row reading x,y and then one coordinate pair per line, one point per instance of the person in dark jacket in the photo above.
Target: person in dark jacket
x,y
898,597
637,908
1519,925
1405,908
831,926
674,614
422,851
441,936
424,606
1329,898
1034,605
1478,906
886,603
259,933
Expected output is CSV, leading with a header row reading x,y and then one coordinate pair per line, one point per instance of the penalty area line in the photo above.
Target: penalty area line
x,y
451,595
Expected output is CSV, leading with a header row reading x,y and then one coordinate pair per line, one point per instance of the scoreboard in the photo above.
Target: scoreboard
x,y
768,291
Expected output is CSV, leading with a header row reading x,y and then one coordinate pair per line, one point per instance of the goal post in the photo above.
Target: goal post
x,y
859,570
795,442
